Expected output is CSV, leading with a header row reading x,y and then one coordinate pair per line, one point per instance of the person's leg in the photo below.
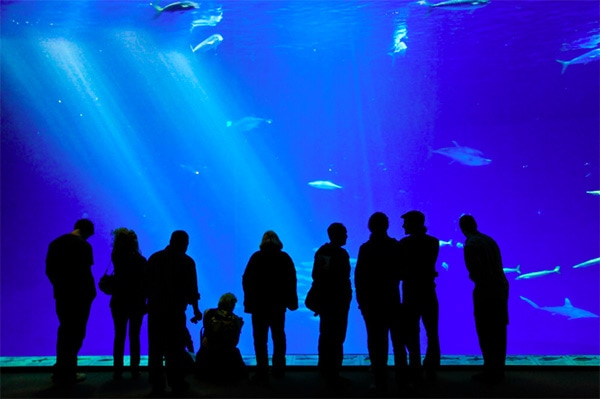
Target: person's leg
x,y
156,351
398,334
430,317
411,327
135,327
175,355
341,327
120,324
326,342
277,324
73,316
377,345
260,335
66,357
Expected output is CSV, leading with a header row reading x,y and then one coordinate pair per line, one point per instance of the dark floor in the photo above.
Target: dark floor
x,y
304,382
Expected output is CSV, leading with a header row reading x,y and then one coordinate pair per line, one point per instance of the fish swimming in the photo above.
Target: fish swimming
x,y
515,270
177,6
538,274
593,192
465,155
592,55
567,310
248,123
445,243
445,265
587,263
324,185
457,5
212,20
211,42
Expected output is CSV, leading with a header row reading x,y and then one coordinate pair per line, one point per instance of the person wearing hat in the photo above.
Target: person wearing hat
x,y
418,255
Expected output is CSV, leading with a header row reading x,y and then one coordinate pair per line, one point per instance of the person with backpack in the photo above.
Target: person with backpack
x,y
219,360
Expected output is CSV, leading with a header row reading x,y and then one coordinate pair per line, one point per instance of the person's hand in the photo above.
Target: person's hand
x,y
197,317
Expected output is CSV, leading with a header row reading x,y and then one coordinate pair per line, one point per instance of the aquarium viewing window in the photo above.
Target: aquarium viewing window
x,y
236,117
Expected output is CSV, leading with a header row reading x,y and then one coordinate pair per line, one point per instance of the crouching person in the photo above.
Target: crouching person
x,y
219,360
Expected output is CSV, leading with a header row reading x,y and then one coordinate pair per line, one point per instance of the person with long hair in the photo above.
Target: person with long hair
x,y
128,301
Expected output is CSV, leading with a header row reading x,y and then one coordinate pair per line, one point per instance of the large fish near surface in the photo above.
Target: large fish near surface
x,y
324,185
539,274
465,155
567,309
177,6
248,123
456,4
592,55
587,263
211,42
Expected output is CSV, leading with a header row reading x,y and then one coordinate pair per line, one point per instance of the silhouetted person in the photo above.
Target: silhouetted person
x,y
331,279
128,301
377,280
69,268
418,255
172,286
219,360
490,298
269,283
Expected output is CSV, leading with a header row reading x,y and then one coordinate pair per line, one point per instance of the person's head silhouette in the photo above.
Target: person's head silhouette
x,y
179,241
379,223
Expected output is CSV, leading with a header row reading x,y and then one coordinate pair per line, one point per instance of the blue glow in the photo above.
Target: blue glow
x,y
300,114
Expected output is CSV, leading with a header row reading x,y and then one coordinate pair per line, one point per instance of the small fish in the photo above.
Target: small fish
x,y
587,263
465,155
538,274
445,265
460,245
324,185
592,55
211,42
514,270
567,310
248,123
446,243
177,6
594,192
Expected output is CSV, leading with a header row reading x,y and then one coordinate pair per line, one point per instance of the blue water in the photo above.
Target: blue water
x,y
108,113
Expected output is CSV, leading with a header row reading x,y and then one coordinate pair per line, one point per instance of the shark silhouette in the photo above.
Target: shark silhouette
x,y
567,310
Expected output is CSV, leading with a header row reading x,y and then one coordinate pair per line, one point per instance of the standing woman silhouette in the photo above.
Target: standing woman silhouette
x,y
128,302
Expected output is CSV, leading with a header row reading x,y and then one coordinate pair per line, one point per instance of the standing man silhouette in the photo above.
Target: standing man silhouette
x,y
69,263
377,281
419,252
490,298
171,286
331,279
